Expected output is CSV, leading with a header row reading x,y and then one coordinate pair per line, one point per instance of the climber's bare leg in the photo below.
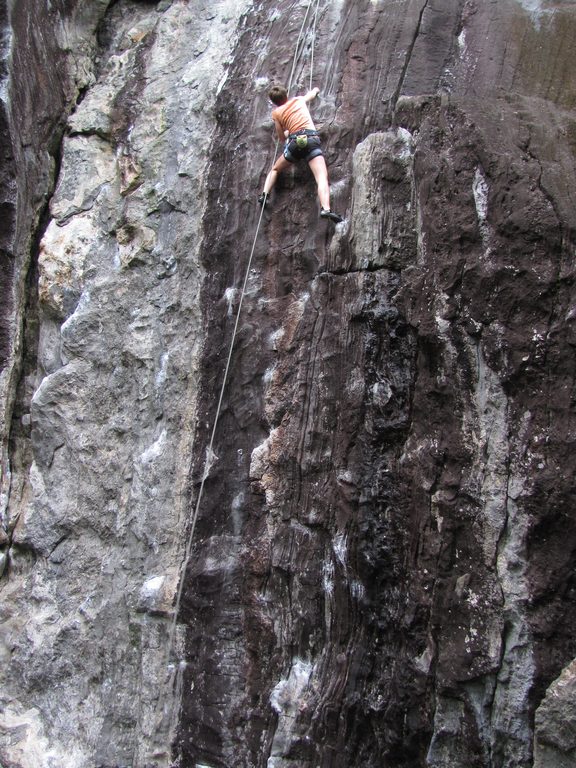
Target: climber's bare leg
x,y
280,165
320,171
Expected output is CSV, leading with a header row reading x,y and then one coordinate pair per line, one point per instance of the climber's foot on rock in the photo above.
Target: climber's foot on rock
x,y
328,214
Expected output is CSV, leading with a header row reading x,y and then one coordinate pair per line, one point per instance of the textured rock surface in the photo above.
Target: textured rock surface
x,y
382,567
555,743
100,451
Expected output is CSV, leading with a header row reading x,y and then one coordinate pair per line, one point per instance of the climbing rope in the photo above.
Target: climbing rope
x,y
299,40
313,43
209,459
210,451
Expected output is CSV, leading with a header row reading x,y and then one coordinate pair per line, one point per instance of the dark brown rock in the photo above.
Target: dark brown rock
x,y
380,593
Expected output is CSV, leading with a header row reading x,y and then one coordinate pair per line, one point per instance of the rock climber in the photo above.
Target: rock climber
x,y
295,126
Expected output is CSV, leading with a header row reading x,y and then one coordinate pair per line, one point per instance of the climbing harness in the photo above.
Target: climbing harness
x,y
176,671
301,138
302,147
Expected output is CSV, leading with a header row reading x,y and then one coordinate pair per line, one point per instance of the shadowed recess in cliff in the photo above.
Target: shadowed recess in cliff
x,y
7,235
241,422
231,676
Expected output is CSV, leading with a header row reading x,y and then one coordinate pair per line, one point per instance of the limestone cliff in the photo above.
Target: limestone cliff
x,y
376,565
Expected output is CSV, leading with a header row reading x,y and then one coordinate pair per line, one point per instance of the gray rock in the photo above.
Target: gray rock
x,y
96,512
555,723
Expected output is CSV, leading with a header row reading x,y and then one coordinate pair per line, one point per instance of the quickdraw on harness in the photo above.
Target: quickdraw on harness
x,y
301,137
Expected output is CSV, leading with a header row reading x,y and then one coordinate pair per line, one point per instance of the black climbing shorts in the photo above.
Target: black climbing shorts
x,y
302,146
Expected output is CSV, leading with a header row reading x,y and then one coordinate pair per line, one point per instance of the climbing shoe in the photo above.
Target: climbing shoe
x,y
328,214
263,199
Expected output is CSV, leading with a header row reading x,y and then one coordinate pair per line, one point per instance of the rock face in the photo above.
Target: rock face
x,y
376,565
555,742
104,417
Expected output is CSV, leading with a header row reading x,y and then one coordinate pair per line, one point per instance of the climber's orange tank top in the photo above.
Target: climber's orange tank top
x,y
294,115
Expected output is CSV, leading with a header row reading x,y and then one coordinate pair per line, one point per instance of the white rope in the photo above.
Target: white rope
x,y
299,40
313,42
176,671
296,51
210,452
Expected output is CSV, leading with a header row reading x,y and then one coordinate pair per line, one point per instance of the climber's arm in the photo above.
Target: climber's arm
x,y
311,94
279,129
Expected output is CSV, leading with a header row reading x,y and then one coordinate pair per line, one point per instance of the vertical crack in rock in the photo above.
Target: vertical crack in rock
x,y
408,55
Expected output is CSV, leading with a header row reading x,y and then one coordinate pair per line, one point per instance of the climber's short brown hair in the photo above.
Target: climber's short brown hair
x,y
278,95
